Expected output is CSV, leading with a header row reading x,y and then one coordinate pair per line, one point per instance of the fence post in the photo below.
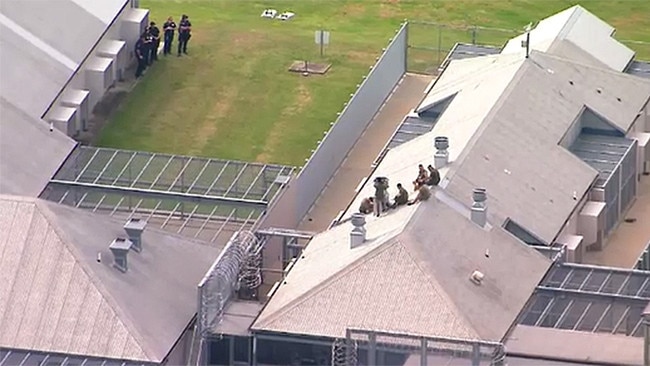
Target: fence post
x,y
474,28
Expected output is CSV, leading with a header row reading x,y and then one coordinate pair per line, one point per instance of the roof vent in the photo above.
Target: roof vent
x,y
358,233
479,207
477,277
134,228
441,157
120,248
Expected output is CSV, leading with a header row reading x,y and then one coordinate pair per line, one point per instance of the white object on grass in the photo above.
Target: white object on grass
x,y
269,13
287,15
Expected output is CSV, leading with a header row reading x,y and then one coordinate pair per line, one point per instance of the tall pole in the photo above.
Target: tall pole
x,y
322,36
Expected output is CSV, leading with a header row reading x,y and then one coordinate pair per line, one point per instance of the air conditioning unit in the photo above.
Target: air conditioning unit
x,y
591,225
64,119
597,194
643,156
573,245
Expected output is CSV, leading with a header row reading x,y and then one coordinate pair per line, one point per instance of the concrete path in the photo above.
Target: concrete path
x,y
357,165
630,239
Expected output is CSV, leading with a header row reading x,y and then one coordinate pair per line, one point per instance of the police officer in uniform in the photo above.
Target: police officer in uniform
x,y
154,32
168,28
140,51
184,34
148,43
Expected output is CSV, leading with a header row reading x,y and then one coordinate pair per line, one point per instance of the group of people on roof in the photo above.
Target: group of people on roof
x,y
380,202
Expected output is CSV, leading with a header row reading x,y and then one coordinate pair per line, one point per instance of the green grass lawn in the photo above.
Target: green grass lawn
x,y
233,97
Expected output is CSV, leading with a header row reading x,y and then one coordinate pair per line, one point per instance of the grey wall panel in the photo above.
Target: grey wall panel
x,y
351,123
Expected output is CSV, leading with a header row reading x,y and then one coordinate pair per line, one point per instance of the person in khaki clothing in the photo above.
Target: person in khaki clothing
x,y
423,194
367,205
402,197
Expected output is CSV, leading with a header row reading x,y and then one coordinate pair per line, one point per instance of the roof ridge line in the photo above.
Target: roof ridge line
x,y
123,317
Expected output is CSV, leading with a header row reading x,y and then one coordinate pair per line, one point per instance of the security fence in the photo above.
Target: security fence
x,y
237,266
643,263
371,347
430,43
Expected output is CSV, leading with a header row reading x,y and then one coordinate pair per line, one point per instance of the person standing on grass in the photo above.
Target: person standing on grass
x,y
154,32
140,49
169,28
148,44
184,34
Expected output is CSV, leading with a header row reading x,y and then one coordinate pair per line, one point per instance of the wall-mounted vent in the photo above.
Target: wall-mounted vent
x,y
441,157
358,233
479,207
134,228
120,248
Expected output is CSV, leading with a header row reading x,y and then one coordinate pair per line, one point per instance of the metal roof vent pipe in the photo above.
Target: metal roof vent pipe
x,y
358,233
120,248
441,157
479,207
134,228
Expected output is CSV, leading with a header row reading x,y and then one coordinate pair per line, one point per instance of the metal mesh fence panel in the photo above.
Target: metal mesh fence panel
x,y
373,347
432,44
222,279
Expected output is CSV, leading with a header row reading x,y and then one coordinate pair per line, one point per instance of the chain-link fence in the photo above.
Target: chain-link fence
x,y
430,43
370,347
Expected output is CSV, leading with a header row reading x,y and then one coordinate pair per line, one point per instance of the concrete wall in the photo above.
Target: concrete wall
x,y
281,214
180,353
351,123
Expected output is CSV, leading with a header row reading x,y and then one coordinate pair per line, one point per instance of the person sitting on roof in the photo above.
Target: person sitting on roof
x,y
402,197
434,176
423,194
423,176
367,205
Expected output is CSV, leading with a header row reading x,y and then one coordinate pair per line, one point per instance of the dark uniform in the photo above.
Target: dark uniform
x,y
148,44
154,33
168,28
184,34
140,49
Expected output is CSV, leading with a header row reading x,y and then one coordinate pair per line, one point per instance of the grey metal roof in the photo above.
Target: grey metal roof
x,y
603,153
590,37
516,155
639,68
42,50
429,291
462,51
196,197
590,299
45,20
56,296
14,357
32,74
30,154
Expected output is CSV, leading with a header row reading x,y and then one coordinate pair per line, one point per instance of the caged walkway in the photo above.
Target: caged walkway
x,y
590,299
206,199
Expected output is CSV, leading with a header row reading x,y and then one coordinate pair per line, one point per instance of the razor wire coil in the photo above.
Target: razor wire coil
x,y
344,352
